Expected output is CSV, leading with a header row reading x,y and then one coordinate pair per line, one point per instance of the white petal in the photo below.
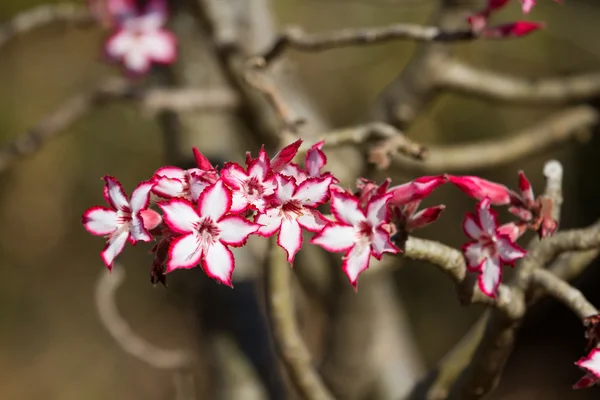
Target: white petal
x,y
345,208
355,262
180,215
136,60
235,230
312,221
234,175
100,221
336,238
381,243
169,187
218,263
172,172
592,362
238,202
474,255
138,231
258,168
185,252
315,160
471,228
215,201
159,46
140,198
487,219
294,171
197,186
377,212
290,238
114,246
285,188
114,194
270,221
490,276
313,191
120,43
509,251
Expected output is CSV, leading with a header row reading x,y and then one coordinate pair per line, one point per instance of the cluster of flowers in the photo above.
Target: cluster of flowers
x,y
479,21
138,37
205,211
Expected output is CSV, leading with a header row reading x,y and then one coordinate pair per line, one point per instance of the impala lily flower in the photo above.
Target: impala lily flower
x,y
358,232
490,248
591,365
251,188
206,232
140,40
124,220
292,209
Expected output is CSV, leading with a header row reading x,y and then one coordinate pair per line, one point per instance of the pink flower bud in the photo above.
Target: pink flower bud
x,y
425,217
415,190
480,188
514,29
526,190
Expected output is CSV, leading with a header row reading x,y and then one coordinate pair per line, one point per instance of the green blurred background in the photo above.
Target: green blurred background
x,y
52,345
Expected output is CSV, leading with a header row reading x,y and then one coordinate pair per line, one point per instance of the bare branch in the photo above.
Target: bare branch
x,y
556,130
495,86
563,292
39,16
289,343
295,38
78,106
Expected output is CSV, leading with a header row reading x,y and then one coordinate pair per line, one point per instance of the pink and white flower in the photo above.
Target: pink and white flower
x,y
489,248
357,231
141,40
124,220
293,208
591,365
206,232
251,188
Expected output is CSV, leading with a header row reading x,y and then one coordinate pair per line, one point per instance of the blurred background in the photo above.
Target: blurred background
x,y
52,343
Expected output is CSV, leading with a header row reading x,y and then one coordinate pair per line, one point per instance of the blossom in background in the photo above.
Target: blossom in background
x,y
139,39
356,231
205,232
124,220
591,365
489,249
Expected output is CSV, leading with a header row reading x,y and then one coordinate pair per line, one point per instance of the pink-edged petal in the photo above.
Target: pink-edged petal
x,y
355,262
235,230
312,221
140,197
100,221
591,363
315,159
345,208
509,251
313,191
285,156
234,175
160,46
169,187
381,243
490,276
215,201
137,61
294,171
290,238
114,247
487,218
114,194
239,202
151,218
336,238
197,186
285,188
270,221
218,263
377,210
425,217
120,43
184,252
180,215
474,255
259,168
471,227
201,161
586,381
171,172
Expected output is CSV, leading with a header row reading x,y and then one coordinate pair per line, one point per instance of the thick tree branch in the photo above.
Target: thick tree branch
x,y
289,343
498,87
563,292
554,131
80,105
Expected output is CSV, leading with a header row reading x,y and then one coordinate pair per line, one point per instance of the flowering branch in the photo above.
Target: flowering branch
x,y
563,292
557,129
152,100
289,343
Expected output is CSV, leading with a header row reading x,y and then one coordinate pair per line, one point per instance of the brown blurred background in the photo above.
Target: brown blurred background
x,y
52,343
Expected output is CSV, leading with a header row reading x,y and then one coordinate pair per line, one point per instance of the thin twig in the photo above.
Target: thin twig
x,y
550,133
495,86
563,292
78,106
289,343
39,16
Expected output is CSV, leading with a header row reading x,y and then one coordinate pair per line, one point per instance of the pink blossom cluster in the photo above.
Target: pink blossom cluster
x,y
479,21
201,212
138,37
